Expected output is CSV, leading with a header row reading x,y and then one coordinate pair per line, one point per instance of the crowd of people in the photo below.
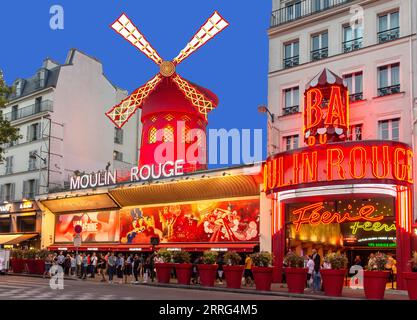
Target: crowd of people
x,y
121,266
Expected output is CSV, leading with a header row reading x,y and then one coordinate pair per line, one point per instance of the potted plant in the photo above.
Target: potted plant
x,y
232,270
183,267
333,278
262,270
295,273
17,263
163,265
411,278
207,270
375,277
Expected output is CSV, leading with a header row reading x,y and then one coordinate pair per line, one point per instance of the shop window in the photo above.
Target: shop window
x,y
168,134
26,224
152,135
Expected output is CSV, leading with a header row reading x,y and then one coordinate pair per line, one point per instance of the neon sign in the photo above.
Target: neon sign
x,y
379,161
315,214
143,173
372,226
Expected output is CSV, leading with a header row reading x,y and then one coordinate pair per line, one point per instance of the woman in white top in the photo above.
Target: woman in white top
x,y
310,266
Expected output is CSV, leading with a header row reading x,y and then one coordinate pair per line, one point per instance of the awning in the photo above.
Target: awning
x,y
9,239
100,247
80,203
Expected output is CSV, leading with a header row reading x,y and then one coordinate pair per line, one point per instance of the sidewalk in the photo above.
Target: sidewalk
x,y
277,289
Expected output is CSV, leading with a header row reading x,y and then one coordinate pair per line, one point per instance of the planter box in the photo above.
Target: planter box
x,y
233,276
17,265
296,279
163,272
333,281
31,265
184,272
207,274
374,284
39,266
263,278
411,282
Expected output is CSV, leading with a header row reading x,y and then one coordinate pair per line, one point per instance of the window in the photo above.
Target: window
x,y
14,113
5,225
291,142
168,134
319,45
7,192
389,27
354,83
352,37
32,160
389,79
152,135
9,165
30,189
117,156
319,5
291,105
355,132
389,129
291,54
38,104
118,135
34,132
26,224
293,10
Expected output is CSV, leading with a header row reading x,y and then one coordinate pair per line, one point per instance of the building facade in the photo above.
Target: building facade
x,y
372,46
52,110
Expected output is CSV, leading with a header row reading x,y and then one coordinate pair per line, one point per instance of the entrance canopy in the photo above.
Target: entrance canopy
x,y
9,239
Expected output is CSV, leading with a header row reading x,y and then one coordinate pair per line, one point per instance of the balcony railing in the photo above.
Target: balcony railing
x,y
352,45
29,111
385,91
388,35
319,54
356,97
291,62
301,9
290,110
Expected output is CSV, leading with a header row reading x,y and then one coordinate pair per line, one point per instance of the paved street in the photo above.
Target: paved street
x,y
29,288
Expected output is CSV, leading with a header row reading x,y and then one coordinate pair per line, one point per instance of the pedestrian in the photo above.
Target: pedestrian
x,y
147,269
248,271
127,270
120,263
61,259
73,265
101,267
220,263
310,266
78,260
111,265
357,261
152,267
316,273
136,265
84,266
67,264
48,265
141,265
93,264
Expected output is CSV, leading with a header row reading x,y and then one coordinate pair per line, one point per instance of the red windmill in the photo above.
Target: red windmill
x,y
174,110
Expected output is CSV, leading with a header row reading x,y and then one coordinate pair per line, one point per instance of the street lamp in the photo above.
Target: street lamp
x,y
35,155
264,109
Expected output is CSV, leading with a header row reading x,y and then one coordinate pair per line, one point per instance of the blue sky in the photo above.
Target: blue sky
x,y
233,65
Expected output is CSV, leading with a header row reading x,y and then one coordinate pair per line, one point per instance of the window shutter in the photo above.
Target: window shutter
x,y
12,190
28,133
39,133
36,191
2,193
25,189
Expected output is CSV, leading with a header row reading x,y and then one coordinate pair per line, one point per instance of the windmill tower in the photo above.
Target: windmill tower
x,y
174,110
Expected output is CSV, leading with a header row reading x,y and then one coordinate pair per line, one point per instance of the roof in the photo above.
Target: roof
x,y
325,77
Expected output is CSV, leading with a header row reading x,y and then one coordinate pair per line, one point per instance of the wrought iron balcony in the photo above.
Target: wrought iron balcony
x,y
319,54
352,45
385,91
290,110
291,62
29,111
356,97
300,9
388,35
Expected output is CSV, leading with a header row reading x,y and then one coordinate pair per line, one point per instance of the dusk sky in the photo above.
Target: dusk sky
x,y
233,65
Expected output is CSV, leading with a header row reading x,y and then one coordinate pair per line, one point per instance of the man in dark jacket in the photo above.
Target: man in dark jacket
x,y
316,273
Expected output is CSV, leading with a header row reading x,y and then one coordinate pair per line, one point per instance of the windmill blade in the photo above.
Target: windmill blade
x,y
208,30
199,100
122,112
130,32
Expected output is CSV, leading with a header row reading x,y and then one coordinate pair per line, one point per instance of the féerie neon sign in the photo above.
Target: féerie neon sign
x,y
315,214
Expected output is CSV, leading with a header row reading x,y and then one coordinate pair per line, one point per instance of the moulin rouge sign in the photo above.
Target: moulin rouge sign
x,y
328,158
